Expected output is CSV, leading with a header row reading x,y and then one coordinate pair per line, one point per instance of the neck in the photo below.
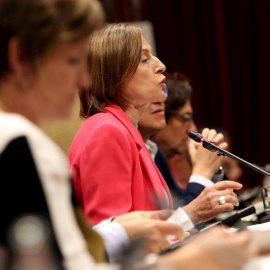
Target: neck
x,y
133,114
14,100
145,137
145,133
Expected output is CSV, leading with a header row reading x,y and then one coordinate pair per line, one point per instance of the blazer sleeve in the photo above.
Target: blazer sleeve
x,y
106,173
192,191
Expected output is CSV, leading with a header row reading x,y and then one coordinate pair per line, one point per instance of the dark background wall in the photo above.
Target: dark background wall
x,y
223,46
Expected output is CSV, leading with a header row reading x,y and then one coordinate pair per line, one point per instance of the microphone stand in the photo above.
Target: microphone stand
x,y
221,152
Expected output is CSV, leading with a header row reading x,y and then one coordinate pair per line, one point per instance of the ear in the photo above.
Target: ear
x,y
17,64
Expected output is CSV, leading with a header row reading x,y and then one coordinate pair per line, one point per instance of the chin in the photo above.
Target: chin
x,y
182,149
162,126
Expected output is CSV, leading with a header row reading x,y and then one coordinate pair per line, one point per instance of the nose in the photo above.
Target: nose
x,y
160,67
192,127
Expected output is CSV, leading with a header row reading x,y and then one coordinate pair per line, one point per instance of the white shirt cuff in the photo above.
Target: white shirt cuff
x,y
181,218
115,238
195,178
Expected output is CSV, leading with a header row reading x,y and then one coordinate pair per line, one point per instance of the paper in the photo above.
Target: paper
x,y
259,227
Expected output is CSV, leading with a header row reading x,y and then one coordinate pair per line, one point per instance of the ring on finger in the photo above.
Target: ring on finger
x,y
222,200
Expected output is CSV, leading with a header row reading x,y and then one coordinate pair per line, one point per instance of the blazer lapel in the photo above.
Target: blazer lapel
x,y
123,118
150,171
157,181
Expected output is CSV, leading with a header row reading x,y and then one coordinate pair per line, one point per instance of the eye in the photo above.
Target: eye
x,y
145,60
75,61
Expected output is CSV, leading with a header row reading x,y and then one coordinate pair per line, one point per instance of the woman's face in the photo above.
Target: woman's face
x,y
147,84
59,76
174,138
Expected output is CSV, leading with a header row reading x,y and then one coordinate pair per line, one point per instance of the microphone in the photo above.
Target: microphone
x,y
197,137
221,152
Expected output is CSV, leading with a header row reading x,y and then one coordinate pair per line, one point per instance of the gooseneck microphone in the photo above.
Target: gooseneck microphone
x,y
221,152
231,220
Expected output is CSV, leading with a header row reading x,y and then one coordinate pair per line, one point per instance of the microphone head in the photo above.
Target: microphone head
x,y
197,137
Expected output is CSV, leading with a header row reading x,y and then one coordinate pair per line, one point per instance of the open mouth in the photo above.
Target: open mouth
x,y
163,85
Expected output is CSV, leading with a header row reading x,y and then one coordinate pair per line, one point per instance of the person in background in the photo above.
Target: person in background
x,y
168,124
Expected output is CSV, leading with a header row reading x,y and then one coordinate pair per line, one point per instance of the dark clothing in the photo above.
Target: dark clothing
x,y
180,196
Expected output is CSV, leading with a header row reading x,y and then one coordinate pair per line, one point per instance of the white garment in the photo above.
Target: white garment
x,y
115,238
196,178
54,174
152,148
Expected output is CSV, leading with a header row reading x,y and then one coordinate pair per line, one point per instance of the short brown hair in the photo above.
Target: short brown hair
x,y
38,24
179,92
114,55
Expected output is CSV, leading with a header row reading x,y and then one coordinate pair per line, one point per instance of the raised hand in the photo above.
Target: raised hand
x,y
206,163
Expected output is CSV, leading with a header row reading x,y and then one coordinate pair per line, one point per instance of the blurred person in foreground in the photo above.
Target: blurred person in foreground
x,y
43,51
43,63
165,128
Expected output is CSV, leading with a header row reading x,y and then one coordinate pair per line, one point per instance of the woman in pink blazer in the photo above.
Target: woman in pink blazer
x,y
113,171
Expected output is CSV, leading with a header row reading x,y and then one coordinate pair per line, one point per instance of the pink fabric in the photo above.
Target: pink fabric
x,y
113,173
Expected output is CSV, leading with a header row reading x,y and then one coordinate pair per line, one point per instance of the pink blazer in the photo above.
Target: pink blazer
x,y
113,172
